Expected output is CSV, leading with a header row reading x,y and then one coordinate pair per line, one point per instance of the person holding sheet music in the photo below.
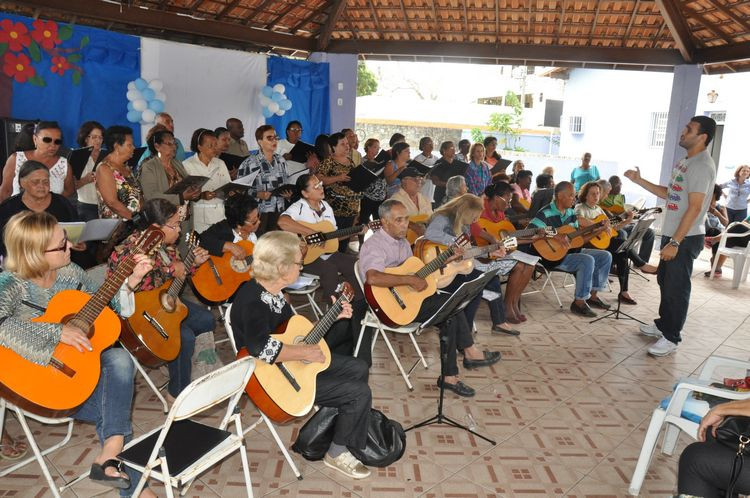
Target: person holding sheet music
x,y
373,195
311,208
223,139
401,155
208,208
91,134
353,140
334,173
242,220
478,174
47,140
271,171
491,157
119,192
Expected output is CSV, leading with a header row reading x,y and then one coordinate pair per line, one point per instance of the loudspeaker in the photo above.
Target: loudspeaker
x,y
11,127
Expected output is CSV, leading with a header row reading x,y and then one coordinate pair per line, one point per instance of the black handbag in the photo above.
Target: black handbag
x,y
386,439
734,433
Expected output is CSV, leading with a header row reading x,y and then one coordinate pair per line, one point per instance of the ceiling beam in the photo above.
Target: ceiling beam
x,y
227,9
528,24
630,23
658,34
311,18
730,14
162,20
562,16
375,16
434,20
406,19
596,19
466,20
701,19
324,37
655,57
290,6
723,53
677,27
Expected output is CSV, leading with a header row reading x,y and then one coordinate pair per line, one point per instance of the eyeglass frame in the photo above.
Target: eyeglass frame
x,y
63,247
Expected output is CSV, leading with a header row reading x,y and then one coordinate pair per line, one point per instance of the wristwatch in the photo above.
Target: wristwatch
x,y
674,243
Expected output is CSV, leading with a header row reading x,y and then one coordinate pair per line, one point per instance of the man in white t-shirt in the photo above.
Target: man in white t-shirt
x,y
312,209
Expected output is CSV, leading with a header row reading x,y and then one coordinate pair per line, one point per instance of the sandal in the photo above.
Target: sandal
x,y
17,453
98,474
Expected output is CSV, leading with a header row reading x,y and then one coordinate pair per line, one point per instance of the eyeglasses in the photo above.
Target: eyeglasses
x,y
295,130
175,228
316,185
61,247
169,144
39,181
252,222
49,140
300,264
272,138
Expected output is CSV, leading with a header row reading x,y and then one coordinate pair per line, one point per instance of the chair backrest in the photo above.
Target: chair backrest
x,y
358,277
212,389
228,328
98,274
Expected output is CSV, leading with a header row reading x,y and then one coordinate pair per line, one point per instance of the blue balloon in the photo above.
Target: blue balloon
x,y
267,112
156,105
277,97
148,94
134,116
285,104
267,91
130,106
140,84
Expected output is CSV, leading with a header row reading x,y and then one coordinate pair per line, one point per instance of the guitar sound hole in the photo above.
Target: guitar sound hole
x,y
78,323
167,302
238,265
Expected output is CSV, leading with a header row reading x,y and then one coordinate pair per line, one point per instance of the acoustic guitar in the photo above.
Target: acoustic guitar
x,y
552,250
427,251
421,219
399,305
67,381
503,229
603,238
326,239
284,391
152,333
219,277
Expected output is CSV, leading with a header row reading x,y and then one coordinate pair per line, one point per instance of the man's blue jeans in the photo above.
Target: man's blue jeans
x,y
591,268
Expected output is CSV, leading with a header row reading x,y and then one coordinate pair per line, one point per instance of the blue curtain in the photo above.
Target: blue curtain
x,y
307,87
79,74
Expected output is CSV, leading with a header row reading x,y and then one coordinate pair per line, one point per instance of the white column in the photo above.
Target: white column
x,y
342,89
685,87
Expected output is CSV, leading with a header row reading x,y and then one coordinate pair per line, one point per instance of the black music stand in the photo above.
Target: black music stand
x,y
454,305
635,237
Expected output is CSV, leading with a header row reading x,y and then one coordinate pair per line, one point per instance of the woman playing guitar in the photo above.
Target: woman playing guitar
x,y
167,265
258,310
38,267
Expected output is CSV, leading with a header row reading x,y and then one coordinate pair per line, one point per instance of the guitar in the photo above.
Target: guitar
x,y
551,249
326,239
399,305
411,235
427,251
603,238
219,277
67,381
503,229
286,390
152,333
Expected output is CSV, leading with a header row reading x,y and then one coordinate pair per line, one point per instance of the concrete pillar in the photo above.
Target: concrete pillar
x,y
342,87
682,105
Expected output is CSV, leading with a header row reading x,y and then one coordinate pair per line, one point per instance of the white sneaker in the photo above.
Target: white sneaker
x,y
650,330
347,464
662,347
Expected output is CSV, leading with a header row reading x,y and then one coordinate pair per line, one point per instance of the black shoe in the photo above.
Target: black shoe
x,y
490,358
98,475
627,300
597,303
459,388
582,310
497,329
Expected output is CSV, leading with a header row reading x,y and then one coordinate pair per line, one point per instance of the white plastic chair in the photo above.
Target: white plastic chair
x,y
309,292
372,320
226,383
547,281
262,418
38,454
672,416
739,256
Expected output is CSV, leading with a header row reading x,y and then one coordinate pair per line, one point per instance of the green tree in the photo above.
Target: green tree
x,y
367,83
508,123
476,135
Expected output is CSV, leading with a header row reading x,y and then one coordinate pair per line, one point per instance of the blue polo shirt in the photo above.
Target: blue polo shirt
x,y
550,216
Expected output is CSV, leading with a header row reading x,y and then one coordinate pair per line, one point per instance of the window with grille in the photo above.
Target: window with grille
x,y
575,125
658,129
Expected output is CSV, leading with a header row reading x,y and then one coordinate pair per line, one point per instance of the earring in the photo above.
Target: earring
x,y
158,154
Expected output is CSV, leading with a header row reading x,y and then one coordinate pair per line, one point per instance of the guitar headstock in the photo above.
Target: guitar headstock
x,y
461,241
375,225
149,240
510,243
345,291
316,238
191,238
550,231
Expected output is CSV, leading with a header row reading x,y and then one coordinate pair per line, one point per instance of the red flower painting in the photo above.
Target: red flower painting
x,y
45,34
60,65
18,67
16,35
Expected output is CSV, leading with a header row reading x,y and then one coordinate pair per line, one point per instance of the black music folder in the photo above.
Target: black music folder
x,y
445,170
300,151
383,156
186,183
78,158
361,178
232,161
136,157
500,166
423,170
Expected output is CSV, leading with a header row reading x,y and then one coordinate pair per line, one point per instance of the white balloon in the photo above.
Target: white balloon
x,y
131,85
160,96
140,105
273,107
148,116
280,112
264,101
156,85
278,87
134,95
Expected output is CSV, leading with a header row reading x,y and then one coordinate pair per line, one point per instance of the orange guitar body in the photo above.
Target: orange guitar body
x,y
496,229
49,390
218,279
411,235
603,238
427,251
270,390
152,333
551,249
524,202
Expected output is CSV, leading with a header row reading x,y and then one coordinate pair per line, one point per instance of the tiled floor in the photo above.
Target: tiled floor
x,y
568,406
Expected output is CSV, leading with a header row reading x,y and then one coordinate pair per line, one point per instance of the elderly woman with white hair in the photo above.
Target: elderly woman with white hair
x,y
455,187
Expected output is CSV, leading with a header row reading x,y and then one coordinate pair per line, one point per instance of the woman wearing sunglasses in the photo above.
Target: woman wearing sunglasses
x,y
47,140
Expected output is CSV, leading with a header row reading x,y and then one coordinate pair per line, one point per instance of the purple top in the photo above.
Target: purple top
x,y
478,176
382,251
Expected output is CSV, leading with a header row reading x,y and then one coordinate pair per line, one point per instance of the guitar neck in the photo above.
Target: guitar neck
x,y
476,252
435,264
344,232
520,234
176,287
102,297
321,328
584,231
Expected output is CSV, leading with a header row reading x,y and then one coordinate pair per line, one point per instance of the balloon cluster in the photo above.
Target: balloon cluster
x,y
145,100
274,101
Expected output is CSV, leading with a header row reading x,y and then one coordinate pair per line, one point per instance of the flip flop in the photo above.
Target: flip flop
x,y
98,474
12,458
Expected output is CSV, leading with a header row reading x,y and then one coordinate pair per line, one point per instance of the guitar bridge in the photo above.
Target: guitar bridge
x,y
155,324
398,299
217,277
288,375
62,367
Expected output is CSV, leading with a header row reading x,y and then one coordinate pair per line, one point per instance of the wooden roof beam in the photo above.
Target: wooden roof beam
x,y
596,19
701,19
310,18
163,20
227,9
406,19
723,53
730,14
371,3
324,37
677,27
630,23
562,17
